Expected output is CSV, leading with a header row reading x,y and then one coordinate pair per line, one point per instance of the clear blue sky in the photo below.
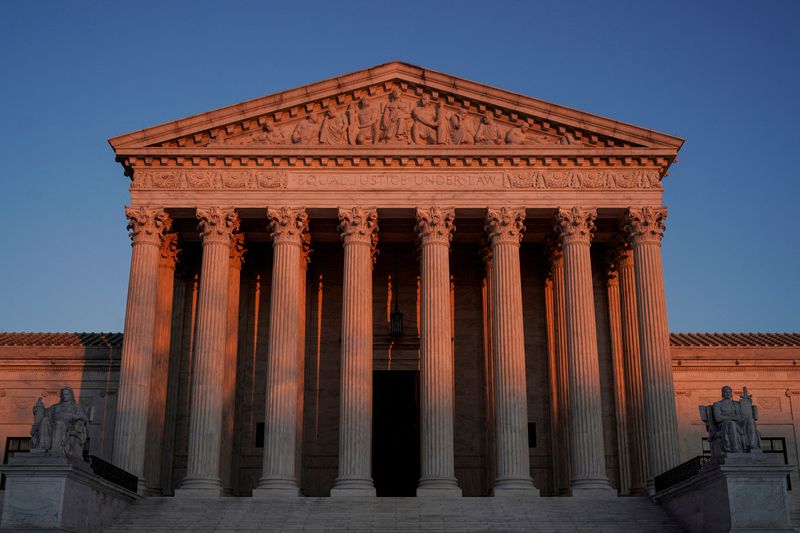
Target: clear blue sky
x,y
723,75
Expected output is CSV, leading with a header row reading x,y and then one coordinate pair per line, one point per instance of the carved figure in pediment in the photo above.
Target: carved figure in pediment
x,y
273,135
461,128
363,123
428,125
306,131
488,131
518,135
394,120
334,127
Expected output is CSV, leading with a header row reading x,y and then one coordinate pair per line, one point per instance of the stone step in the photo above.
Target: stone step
x,y
170,515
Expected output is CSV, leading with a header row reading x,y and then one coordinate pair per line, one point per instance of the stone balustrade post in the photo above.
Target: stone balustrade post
x,y
279,477
217,226
146,226
505,227
437,402
637,430
159,374
358,227
587,457
645,228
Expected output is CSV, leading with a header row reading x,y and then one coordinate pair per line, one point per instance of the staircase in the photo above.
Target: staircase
x,y
173,515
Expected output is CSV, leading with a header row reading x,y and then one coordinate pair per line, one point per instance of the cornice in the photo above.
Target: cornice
x,y
368,156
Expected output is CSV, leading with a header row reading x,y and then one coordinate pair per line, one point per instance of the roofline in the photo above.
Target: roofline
x,y
385,72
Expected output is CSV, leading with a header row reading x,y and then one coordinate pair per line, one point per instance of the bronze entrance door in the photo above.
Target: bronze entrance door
x,y
395,432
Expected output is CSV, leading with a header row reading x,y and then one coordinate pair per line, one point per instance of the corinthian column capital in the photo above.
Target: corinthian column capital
x,y
169,250
575,224
435,225
359,225
288,225
505,225
645,224
147,224
217,224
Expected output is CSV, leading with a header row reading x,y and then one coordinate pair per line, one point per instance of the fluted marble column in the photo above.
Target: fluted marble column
x,y
146,226
637,430
437,467
159,374
618,368
561,452
227,463
305,259
505,227
359,235
488,358
587,462
279,476
217,226
646,228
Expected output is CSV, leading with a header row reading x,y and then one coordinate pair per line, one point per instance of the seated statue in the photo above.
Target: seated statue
x,y
61,429
731,424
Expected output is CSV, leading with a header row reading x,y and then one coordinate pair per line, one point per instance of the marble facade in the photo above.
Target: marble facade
x,y
273,240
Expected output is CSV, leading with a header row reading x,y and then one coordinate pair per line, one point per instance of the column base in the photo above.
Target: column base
x,y
143,490
151,491
200,487
593,488
438,488
515,487
276,488
353,488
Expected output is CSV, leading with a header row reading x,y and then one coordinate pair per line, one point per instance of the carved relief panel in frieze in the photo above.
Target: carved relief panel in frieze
x,y
366,179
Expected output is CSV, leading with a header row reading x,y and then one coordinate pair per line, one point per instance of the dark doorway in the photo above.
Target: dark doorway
x,y
395,432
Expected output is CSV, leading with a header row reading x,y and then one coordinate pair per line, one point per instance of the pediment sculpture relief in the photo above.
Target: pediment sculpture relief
x,y
396,119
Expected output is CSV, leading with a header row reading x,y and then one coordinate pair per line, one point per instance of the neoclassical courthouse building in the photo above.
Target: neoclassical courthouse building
x,y
397,282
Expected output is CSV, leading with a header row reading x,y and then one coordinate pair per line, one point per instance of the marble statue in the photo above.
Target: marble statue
x,y
428,123
461,131
394,122
62,428
517,135
306,130
364,121
731,424
488,132
334,127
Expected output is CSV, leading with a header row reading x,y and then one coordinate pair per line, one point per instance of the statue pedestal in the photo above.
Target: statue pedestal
x,y
743,492
61,494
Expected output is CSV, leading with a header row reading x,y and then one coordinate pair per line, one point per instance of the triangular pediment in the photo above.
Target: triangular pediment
x,y
397,106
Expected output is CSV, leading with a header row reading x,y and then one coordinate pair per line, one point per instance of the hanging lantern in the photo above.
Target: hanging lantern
x,y
397,323
396,317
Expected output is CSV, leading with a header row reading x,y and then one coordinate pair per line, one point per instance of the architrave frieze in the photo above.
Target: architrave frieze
x,y
398,179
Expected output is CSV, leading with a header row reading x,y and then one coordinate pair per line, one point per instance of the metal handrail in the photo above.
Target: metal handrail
x,y
112,473
680,473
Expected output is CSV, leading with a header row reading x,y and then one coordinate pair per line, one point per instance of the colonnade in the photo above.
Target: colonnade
x,y
639,320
